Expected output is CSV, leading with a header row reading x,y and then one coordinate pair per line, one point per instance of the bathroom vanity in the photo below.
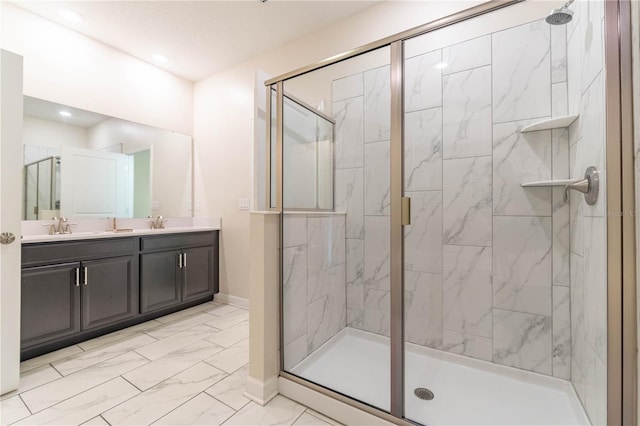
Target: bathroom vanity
x,y
77,287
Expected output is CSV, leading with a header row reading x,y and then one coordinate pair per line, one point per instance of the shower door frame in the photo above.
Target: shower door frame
x,y
621,250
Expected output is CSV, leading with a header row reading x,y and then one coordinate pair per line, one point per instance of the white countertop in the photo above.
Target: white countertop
x,y
34,231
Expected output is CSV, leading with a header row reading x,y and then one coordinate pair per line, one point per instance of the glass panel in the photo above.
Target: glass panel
x,y
336,263
273,202
44,186
505,286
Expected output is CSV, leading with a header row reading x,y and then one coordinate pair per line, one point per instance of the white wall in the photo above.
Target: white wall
x,y
40,132
66,67
223,113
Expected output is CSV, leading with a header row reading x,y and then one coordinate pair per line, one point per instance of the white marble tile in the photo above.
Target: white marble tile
x,y
466,199
560,154
167,330
96,421
294,231
349,193
100,354
377,104
86,405
575,49
423,308
377,314
377,177
522,340
347,87
559,99
376,252
423,237
576,207
294,297
558,53
230,390
423,150
355,261
160,348
229,320
467,289
231,359
578,326
338,240
593,41
561,332
423,81
596,392
307,419
322,417
205,307
522,72
295,351
591,148
154,403
595,285
161,369
522,264
110,338
279,411
561,239
519,158
466,113
230,336
318,257
327,315
467,345
200,410
349,133
12,409
32,379
221,310
49,358
466,55
54,392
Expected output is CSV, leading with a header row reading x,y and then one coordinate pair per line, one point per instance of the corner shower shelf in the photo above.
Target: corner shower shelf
x,y
547,183
550,123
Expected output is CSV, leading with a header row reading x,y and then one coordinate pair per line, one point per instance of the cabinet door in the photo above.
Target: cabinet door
x,y
109,291
50,303
198,272
160,280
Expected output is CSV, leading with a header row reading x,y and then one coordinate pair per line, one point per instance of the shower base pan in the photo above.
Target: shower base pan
x,y
465,391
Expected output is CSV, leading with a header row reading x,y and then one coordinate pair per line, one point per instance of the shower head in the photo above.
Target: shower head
x,y
561,15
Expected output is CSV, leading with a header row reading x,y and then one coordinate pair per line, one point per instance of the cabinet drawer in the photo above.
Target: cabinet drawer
x,y
73,251
176,241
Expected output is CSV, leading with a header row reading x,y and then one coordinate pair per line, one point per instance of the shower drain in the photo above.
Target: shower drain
x,y
424,393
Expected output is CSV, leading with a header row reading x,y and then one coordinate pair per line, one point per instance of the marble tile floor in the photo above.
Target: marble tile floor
x,y
186,368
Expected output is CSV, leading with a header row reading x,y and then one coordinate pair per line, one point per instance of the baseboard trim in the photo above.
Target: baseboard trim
x,y
231,300
261,392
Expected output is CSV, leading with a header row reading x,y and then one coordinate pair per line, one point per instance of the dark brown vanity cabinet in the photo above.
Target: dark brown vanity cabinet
x,y
61,299
76,290
177,269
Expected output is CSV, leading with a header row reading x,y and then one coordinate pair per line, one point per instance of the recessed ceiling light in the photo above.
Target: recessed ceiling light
x,y
442,65
70,15
160,59
64,113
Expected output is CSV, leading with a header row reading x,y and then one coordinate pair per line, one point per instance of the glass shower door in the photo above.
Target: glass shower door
x,y
336,244
505,285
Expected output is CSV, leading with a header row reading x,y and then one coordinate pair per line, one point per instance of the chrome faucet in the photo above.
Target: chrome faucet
x,y
61,225
157,223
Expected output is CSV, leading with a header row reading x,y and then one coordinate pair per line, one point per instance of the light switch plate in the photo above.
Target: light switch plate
x,y
243,204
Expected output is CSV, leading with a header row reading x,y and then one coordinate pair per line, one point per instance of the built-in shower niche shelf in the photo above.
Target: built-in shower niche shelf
x,y
550,123
547,183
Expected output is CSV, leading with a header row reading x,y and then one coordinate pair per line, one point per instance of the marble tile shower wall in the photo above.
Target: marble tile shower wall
x,y
588,236
314,287
486,261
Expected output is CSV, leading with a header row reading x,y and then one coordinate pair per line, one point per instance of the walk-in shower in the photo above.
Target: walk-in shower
x,y
451,281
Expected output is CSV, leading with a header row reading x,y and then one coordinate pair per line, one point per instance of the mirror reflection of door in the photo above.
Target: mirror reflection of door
x,y
140,171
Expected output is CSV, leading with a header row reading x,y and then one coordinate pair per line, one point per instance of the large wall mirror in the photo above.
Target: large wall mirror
x,y
82,164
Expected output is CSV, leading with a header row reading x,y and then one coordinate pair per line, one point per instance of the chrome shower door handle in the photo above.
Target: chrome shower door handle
x,y
589,186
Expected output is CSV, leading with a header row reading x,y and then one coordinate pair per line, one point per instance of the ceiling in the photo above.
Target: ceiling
x,y
198,37
39,108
